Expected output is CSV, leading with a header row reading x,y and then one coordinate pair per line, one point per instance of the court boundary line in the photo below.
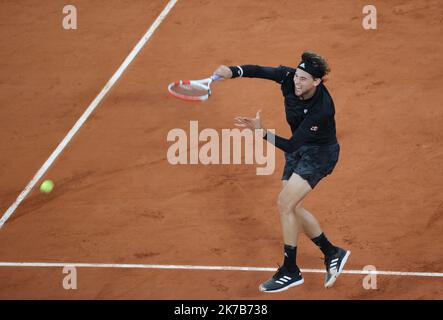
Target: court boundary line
x,y
93,105
201,267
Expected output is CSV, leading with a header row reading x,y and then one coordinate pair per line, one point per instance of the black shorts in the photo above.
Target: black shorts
x,y
312,163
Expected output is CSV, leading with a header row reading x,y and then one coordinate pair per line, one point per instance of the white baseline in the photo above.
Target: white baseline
x,y
191,267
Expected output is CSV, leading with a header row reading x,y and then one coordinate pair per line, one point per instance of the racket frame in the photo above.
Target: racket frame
x,y
204,84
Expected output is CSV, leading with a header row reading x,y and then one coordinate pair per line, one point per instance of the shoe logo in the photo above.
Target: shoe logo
x,y
333,265
284,279
305,111
314,128
334,262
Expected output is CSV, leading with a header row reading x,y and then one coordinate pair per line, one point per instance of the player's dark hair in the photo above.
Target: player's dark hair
x,y
317,61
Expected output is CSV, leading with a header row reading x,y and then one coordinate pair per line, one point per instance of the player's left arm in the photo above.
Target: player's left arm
x,y
308,131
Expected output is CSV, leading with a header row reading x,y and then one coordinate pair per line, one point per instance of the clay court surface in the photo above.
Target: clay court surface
x,y
117,199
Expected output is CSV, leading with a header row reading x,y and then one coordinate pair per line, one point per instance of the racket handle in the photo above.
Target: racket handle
x,y
216,77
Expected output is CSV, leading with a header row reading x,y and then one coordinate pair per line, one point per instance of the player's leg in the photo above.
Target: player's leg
x,y
335,257
308,223
316,163
288,275
292,193
311,228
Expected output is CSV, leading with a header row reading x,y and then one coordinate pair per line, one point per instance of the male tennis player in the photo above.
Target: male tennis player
x,y
311,154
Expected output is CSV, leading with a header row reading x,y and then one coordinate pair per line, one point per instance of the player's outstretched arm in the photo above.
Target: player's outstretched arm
x,y
252,71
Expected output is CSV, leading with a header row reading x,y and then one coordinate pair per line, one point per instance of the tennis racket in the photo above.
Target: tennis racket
x,y
192,90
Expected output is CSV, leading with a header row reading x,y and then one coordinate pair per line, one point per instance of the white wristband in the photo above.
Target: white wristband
x,y
241,71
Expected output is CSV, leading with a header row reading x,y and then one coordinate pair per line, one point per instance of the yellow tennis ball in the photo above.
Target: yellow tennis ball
x,y
47,186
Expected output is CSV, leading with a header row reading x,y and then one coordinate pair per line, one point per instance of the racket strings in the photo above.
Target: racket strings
x,y
189,90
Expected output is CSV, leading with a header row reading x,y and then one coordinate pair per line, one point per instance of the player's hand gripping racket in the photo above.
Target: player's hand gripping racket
x,y
192,90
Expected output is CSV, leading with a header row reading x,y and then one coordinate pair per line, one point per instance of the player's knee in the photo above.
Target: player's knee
x,y
298,209
284,205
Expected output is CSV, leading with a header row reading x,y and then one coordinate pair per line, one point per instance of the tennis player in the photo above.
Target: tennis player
x,y
311,154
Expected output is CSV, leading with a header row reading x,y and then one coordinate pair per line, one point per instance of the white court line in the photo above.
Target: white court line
x,y
88,111
190,267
